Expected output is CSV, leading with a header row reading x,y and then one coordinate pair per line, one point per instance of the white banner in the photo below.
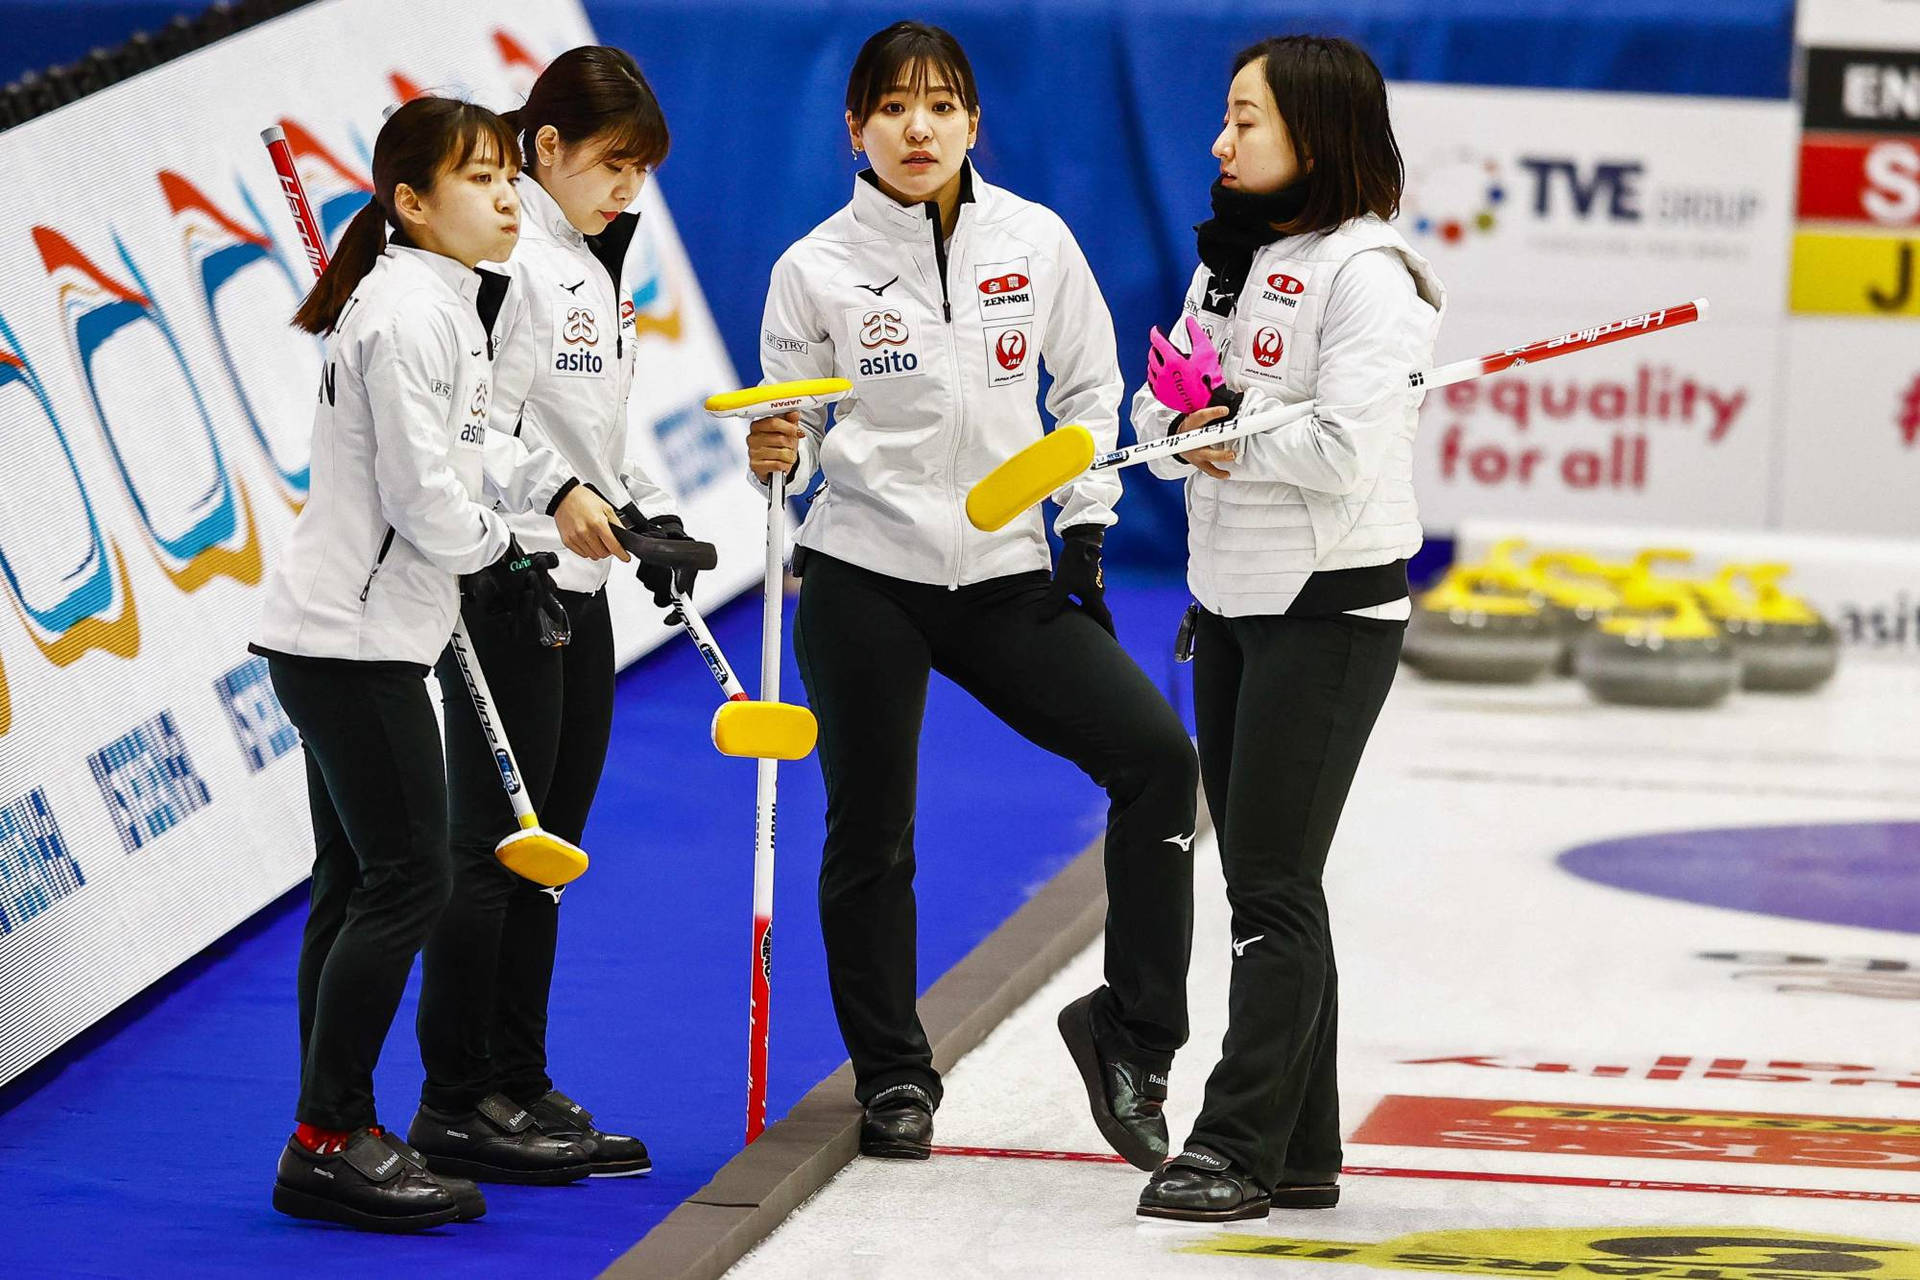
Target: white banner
x,y
155,411
1543,211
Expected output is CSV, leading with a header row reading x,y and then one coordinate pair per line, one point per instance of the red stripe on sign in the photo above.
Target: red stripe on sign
x,y
1467,1175
1860,179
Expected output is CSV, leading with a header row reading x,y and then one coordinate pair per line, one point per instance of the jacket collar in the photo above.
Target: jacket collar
x,y
538,209
461,280
874,208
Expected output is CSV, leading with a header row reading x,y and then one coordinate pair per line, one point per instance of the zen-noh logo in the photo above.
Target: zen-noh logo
x,y
68,582
195,514
250,288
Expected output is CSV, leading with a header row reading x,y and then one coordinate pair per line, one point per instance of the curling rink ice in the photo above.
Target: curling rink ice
x,y
1624,993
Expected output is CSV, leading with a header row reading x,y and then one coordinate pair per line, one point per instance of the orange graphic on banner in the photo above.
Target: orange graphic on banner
x,y
1865,275
119,636
1752,1137
241,563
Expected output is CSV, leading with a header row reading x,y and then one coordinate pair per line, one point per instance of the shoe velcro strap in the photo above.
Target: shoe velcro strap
x,y
895,1096
1202,1159
372,1158
1151,1082
568,1105
503,1114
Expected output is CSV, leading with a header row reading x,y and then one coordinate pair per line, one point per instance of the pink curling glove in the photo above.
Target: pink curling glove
x,y
1184,380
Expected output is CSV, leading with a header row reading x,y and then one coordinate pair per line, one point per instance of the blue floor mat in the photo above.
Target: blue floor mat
x,y
149,1148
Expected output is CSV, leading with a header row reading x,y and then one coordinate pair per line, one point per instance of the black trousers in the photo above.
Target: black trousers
x,y
1284,707
377,794
866,644
488,967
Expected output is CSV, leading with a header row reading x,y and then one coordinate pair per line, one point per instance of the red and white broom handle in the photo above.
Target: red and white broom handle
x,y
1418,380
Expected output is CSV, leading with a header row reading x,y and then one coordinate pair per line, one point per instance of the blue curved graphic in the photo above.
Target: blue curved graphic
x,y
234,249
87,585
1853,873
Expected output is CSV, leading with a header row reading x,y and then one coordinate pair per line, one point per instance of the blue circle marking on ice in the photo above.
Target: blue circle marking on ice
x,y
1850,873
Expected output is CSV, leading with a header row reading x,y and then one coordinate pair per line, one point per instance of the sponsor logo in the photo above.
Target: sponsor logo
x,y
1674,1066
574,288
1560,1128
879,290
775,342
337,190
766,953
1183,843
37,869
1649,1253
581,327
1268,347
576,332
148,781
554,891
1240,945
1284,284
1863,90
1821,975
261,726
1004,289
508,778
1454,195
1280,292
1007,350
438,386
380,1169
884,334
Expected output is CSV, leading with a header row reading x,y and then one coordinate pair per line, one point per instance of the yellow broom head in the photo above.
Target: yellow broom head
x,y
764,730
545,859
1029,476
778,397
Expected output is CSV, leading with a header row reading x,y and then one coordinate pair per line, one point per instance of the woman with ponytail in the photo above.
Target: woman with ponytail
x,y
590,132
363,601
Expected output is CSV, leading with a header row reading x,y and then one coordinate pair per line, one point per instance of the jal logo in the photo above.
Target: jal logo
x,y
1284,284
581,328
1268,347
885,328
1011,350
1008,283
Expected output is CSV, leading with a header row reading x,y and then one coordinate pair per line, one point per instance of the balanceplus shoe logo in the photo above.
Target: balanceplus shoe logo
x,y
1654,1253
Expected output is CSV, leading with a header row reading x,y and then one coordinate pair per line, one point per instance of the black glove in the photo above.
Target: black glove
x,y
658,578
517,584
1078,577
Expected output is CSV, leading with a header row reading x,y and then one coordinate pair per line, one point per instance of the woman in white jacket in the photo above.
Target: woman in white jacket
x,y
938,295
591,131
362,602
1298,542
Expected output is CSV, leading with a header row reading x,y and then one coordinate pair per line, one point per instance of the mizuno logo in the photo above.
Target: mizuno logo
x,y
477,354
878,290
1218,295
575,286
1185,842
1240,945
554,891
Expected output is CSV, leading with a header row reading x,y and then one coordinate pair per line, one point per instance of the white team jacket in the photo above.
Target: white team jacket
x,y
393,515
1344,315
942,344
563,371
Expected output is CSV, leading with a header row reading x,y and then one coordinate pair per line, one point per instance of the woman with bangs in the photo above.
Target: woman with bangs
x,y
400,518
938,295
591,131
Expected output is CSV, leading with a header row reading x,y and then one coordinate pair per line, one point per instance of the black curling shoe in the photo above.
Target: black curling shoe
x,y
609,1155
1125,1097
898,1124
473,1204
495,1142
1199,1186
1306,1195
368,1185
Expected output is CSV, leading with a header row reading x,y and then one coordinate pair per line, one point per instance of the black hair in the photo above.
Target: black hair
x,y
913,54
596,92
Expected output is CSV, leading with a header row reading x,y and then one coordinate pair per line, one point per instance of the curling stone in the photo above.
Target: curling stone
x,y
1575,592
1783,644
1470,628
1657,650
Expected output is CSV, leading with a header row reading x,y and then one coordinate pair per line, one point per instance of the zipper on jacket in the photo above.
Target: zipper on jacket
x,y
386,544
940,258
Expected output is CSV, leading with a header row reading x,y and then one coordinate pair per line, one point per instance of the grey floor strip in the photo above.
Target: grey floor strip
x,y
794,1158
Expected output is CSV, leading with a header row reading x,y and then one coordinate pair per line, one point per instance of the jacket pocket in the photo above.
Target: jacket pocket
x,y
386,545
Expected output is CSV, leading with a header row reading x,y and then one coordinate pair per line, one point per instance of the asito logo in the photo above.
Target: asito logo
x,y
1268,347
576,334
581,327
887,341
1011,349
1651,1253
884,328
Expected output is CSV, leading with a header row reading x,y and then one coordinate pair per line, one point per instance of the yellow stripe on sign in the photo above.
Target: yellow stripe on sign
x,y
1714,1120
1855,275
